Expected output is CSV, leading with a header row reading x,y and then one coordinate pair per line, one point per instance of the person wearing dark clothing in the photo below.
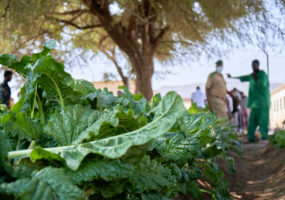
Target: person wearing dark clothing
x,y
258,101
235,94
5,91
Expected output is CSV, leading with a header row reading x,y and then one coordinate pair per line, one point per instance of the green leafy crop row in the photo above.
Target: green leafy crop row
x,y
278,139
66,140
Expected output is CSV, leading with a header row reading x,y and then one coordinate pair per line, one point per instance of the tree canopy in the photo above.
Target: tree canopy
x,y
141,29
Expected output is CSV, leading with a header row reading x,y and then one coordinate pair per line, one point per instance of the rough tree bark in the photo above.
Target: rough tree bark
x,y
144,69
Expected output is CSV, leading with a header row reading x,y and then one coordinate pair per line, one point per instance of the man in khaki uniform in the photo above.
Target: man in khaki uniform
x,y
216,91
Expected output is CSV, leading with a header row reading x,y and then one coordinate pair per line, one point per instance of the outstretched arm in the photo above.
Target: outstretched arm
x,y
241,78
230,76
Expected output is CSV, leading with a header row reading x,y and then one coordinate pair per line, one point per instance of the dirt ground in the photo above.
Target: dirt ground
x,y
260,173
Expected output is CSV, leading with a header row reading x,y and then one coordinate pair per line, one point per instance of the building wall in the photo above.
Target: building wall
x,y
277,109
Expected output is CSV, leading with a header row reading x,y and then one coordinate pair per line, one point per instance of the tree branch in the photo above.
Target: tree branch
x,y
102,40
119,69
160,36
6,11
177,42
72,12
71,23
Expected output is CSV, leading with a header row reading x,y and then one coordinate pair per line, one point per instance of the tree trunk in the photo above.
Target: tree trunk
x,y
144,69
138,39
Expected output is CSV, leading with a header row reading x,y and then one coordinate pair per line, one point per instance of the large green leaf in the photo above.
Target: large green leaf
x,y
178,147
170,109
102,99
47,184
67,125
135,102
151,175
11,61
170,147
22,125
53,80
93,130
76,124
8,60
108,170
153,196
84,87
193,123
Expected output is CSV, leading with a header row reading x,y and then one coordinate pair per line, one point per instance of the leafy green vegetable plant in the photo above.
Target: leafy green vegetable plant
x,y
278,139
65,139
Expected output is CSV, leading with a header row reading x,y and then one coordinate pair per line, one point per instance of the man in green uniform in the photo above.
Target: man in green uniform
x,y
258,101
216,91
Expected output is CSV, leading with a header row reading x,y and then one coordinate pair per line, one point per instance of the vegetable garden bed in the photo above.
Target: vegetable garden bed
x,y
66,140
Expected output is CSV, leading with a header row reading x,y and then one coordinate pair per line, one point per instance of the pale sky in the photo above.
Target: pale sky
x,y
237,62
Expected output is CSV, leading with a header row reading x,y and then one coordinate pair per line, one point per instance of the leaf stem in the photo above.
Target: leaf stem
x,y
20,153
27,152
41,110
34,102
58,91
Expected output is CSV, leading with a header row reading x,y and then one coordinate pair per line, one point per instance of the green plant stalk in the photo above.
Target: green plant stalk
x,y
27,152
58,91
34,102
20,153
18,142
41,110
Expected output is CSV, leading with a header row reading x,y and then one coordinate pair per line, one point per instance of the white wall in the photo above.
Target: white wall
x,y
277,110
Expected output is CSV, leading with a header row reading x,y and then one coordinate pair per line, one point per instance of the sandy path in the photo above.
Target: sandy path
x,y
260,173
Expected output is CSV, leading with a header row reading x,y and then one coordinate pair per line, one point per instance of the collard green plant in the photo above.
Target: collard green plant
x,y
65,139
278,139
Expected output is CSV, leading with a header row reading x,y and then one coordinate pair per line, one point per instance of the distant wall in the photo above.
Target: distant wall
x,y
277,109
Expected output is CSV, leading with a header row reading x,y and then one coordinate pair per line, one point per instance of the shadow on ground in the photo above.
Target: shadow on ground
x,y
260,173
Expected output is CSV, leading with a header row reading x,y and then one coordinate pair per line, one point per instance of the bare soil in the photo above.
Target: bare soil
x,y
260,173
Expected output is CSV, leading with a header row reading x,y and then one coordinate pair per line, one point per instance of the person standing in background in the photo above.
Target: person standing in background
x,y
236,108
229,102
216,91
5,91
258,101
244,112
199,98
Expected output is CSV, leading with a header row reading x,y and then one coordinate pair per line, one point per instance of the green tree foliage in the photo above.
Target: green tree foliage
x,y
141,29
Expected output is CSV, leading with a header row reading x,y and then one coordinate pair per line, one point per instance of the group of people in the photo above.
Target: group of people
x,y
237,110
235,104
225,104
